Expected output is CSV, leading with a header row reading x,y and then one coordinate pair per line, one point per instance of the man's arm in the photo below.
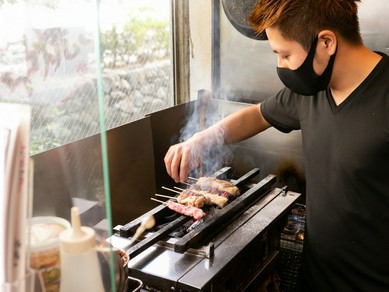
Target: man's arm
x,y
241,125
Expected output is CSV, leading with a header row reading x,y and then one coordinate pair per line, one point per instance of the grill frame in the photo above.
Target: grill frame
x,y
251,240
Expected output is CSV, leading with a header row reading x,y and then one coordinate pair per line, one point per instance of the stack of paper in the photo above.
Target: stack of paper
x,y
14,161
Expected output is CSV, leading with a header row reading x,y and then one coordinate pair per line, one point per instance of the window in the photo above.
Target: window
x,y
49,59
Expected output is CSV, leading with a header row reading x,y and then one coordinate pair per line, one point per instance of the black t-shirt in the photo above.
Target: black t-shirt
x,y
346,161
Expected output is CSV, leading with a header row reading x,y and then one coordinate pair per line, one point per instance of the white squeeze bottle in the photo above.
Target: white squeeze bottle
x,y
80,268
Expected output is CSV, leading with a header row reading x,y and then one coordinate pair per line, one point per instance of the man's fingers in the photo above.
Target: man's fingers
x,y
179,161
168,160
176,160
175,166
184,166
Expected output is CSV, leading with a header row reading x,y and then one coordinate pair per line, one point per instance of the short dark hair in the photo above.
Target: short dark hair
x,y
302,20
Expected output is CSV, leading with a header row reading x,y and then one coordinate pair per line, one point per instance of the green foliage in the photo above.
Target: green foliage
x,y
139,37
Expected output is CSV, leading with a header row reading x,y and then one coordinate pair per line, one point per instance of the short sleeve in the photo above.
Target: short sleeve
x,y
281,111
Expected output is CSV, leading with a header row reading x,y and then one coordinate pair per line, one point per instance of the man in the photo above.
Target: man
x,y
337,93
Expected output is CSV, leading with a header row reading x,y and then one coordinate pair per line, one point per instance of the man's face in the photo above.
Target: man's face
x,y
290,54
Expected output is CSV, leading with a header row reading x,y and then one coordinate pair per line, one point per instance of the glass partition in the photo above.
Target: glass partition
x,y
84,67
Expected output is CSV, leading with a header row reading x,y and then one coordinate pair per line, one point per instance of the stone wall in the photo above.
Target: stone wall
x,y
130,94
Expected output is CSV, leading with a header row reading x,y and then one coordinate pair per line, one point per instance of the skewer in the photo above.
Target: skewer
x,y
165,196
180,189
185,183
147,223
193,178
171,190
159,201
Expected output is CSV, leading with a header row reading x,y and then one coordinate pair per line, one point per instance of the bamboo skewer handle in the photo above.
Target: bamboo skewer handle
x,y
165,196
159,201
174,191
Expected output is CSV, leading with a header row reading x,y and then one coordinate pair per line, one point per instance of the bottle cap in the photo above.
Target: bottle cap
x,y
77,239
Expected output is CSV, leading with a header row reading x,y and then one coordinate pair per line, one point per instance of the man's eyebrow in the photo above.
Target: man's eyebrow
x,y
281,51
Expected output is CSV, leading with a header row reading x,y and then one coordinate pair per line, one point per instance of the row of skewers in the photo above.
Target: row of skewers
x,y
206,191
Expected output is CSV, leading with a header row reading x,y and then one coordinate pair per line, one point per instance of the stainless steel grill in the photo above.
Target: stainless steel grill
x,y
233,249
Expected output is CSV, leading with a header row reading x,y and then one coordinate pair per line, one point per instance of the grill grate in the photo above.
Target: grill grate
x,y
199,234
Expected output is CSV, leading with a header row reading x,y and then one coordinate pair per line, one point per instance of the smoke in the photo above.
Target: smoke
x,y
215,154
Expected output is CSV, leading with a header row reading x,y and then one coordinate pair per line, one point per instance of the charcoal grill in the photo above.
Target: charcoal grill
x,y
234,248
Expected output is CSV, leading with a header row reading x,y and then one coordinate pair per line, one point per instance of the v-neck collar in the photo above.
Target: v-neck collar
x,y
376,70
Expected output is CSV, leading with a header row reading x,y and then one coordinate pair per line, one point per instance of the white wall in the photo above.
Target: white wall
x,y
200,17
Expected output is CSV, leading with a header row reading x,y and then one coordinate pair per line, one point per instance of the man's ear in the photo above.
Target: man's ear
x,y
327,40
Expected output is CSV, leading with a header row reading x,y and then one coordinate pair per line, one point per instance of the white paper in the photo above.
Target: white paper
x,y
4,139
14,149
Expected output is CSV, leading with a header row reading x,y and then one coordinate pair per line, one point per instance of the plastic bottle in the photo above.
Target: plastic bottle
x,y
80,268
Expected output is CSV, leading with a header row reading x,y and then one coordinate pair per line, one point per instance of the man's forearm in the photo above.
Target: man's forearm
x,y
240,125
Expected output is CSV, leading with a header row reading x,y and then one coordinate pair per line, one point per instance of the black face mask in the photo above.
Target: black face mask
x,y
304,80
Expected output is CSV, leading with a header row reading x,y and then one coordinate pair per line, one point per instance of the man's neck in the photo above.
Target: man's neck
x,y
352,66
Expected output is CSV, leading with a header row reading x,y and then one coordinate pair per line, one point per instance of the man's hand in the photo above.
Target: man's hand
x,y
181,158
